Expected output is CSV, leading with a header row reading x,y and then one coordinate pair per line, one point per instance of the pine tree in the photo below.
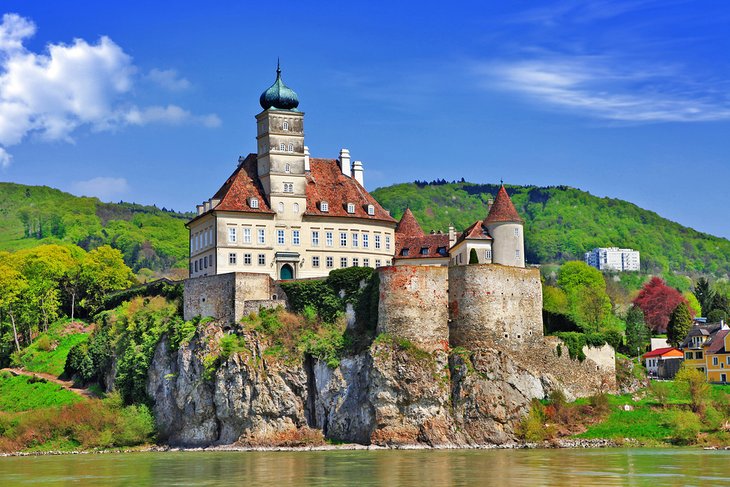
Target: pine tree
x,y
473,258
680,322
637,333
704,294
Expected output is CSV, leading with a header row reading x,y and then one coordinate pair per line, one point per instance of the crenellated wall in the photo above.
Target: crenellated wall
x,y
414,304
493,304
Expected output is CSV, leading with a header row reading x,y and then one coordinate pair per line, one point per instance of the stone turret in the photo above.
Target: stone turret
x,y
505,226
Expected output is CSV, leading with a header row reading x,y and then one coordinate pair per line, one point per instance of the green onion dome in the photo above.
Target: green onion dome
x,y
279,95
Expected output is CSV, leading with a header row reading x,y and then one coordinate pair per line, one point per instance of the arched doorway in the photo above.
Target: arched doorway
x,y
286,272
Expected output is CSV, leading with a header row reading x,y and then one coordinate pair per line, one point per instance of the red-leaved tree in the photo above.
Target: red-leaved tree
x,y
657,301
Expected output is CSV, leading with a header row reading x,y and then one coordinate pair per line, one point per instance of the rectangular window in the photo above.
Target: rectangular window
x,y
328,239
232,234
517,232
355,240
315,261
262,259
205,261
365,240
247,259
247,235
295,237
714,361
355,262
280,237
315,238
517,254
387,242
366,262
288,187
727,360
488,254
377,263
343,239
698,355
232,258
688,356
262,236
330,262
343,261
196,266
377,241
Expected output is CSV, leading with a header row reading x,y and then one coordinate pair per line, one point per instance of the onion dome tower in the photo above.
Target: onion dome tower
x,y
505,226
279,96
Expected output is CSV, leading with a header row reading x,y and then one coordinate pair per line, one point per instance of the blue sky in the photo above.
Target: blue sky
x,y
153,102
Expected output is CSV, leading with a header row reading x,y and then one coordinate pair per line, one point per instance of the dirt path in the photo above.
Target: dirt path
x,y
66,384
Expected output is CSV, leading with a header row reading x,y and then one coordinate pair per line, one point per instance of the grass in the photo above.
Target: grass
x,y
23,393
49,350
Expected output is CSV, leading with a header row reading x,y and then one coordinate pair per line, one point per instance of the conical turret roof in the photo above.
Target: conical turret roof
x,y
408,226
502,210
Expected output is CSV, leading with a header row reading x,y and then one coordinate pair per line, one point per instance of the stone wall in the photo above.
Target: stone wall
x,y
414,304
224,296
492,304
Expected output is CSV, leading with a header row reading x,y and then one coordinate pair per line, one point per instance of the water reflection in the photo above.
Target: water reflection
x,y
362,468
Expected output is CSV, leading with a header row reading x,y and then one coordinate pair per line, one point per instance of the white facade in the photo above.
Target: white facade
x,y
613,259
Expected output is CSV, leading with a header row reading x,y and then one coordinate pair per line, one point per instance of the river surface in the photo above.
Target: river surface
x,y
588,467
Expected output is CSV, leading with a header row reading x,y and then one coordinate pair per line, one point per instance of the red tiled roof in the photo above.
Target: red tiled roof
x,y
660,351
415,244
408,226
325,182
502,210
242,184
717,342
475,231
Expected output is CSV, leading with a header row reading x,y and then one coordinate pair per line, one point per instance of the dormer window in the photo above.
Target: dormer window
x,y
285,125
351,207
324,206
371,210
253,202
404,252
424,250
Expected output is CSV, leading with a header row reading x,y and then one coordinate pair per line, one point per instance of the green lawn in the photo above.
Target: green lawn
x,y
39,357
20,393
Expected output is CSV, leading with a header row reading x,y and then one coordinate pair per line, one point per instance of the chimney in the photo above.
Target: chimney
x,y
206,205
452,235
490,202
358,173
200,209
214,202
306,158
345,162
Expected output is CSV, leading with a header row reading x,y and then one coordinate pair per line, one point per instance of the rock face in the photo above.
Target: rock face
x,y
391,394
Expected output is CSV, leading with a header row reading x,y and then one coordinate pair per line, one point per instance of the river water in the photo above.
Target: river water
x,y
587,467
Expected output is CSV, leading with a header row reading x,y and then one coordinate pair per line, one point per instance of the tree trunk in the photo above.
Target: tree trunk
x,y
15,329
73,303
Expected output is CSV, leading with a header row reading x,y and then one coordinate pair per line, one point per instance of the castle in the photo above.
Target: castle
x,y
287,215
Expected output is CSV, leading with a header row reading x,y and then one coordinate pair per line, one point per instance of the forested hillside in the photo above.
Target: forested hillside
x,y
561,223
148,237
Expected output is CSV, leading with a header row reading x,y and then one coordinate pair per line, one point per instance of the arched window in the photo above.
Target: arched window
x,y
295,207
291,147
287,168
281,207
285,125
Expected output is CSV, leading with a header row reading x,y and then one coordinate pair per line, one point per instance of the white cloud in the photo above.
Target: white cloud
x,y
5,158
103,188
609,88
72,86
169,79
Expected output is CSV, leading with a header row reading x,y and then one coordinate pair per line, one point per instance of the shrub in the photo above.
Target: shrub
x,y
693,384
685,426
473,257
533,427
44,343
599,403
661,392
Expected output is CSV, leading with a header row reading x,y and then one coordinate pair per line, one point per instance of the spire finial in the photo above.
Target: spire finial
x,y
501,182
278,68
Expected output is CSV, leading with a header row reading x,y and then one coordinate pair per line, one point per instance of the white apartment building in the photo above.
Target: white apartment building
x,y
613,259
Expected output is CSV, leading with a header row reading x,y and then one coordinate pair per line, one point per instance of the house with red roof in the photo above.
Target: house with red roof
x,y
286,214
663,363
414,247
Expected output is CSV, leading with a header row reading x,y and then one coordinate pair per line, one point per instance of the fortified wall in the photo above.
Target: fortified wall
x,y
227,297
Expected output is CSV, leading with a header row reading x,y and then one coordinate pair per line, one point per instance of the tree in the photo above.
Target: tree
x,y
103,271
473,258
693,383
637,333
694,305
657,301
12,286
585,288
680,322
704,294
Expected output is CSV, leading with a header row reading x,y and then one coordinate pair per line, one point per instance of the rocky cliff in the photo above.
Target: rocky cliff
x,y
392,393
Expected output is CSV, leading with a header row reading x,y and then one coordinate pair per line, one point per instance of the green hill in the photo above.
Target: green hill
x,y
561,223
148,237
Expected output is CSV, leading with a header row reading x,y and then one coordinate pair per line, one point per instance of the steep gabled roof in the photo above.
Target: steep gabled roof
x,y
431,246
716,344
477,231
408,226
243,184
502,210
325,182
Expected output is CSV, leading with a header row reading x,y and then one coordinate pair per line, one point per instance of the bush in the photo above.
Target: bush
x,y
694,386
599,403
685,426
533,427
44,343
661,392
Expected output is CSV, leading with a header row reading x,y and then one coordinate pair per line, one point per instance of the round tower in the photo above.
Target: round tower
x,y
505,227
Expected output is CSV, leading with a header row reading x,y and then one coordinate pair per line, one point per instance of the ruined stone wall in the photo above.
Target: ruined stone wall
x,y
224,296
492,304
414,304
